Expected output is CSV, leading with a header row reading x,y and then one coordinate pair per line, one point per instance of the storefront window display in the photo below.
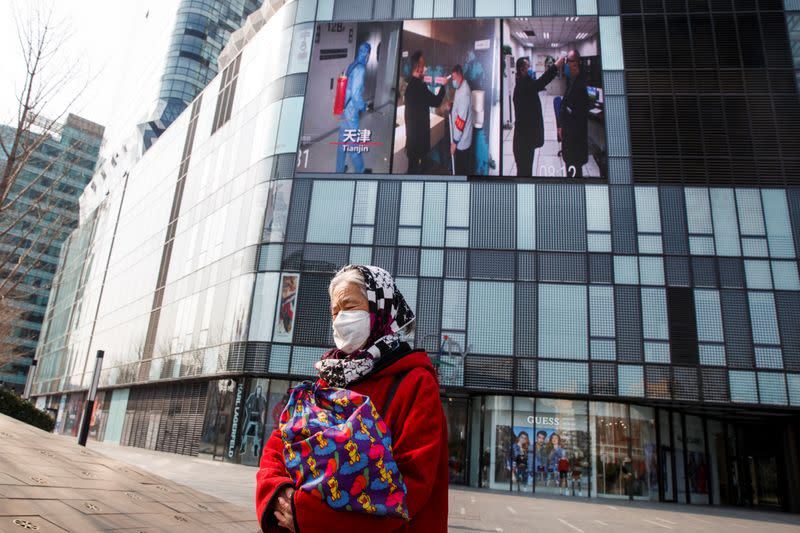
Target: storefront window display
x,y
679,445
611,461
480,457
253,413
667,455
696,460
523,460
562,447
643,453
498,437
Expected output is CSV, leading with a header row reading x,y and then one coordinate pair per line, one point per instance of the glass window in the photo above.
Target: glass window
x,y
289,125
434,215
498,441
651,270
779,230
491,318
360,255
654,314
608,423
631,380
757,274
743,386
408,288
366,196
611,53
601,308
626,270
751,216
453,308
726,231
772,388
330,212
698,210
785,276
712,354
526,216
709,315
599,242
560,449
656,352
597,214
562,321
648,213
277,210
696,460
431,263
362,235
768,357
794,388
411,204
457,238
701,245
754,247
604,350
408,236
570,378
643,453
763,319
279,358
263,312
301,48
458,205
650,244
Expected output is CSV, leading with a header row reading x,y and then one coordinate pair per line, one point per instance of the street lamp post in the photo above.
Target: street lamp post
x,y
83,434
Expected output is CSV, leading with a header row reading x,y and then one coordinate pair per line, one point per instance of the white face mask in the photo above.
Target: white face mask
x,y
351,330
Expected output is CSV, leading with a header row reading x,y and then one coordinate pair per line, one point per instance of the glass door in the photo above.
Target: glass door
x,y
456,411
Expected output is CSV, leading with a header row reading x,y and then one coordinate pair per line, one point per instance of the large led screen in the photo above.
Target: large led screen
x,y
480,98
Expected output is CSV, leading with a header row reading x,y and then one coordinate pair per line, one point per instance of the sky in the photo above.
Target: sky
x,y
118,47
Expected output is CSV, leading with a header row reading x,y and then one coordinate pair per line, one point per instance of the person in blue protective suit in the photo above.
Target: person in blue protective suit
x,y
354,104
529,125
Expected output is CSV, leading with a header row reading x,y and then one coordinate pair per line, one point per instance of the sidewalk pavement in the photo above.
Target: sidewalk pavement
x,y
473,510
50,484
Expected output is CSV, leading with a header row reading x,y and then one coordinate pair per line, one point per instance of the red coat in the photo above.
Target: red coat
x,y
419,435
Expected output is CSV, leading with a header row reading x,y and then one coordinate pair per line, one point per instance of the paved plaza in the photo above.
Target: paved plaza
x,y
482,511
48,483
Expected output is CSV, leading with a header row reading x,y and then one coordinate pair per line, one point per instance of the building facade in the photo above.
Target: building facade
x,y
202,28
31,238
635,315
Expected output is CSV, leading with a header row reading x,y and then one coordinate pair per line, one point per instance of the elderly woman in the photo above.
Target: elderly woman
x,y
369,314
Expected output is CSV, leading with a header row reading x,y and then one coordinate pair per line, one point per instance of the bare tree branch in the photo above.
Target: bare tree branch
x,y
32,213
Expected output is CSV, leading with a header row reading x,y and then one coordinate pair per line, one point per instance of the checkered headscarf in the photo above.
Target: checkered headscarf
x,y
389,314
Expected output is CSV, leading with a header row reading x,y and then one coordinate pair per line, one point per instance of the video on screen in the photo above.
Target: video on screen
x,y
553,120
478,98
448,107
350,98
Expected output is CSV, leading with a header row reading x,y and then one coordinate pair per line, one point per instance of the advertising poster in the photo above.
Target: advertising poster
x,y
448,107
350,99
553,118
255,411
529,455
287,305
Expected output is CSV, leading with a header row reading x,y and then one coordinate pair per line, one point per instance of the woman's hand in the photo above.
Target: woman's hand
x,y
283,509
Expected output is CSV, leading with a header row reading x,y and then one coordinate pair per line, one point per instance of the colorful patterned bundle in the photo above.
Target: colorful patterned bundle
x,y
338,448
